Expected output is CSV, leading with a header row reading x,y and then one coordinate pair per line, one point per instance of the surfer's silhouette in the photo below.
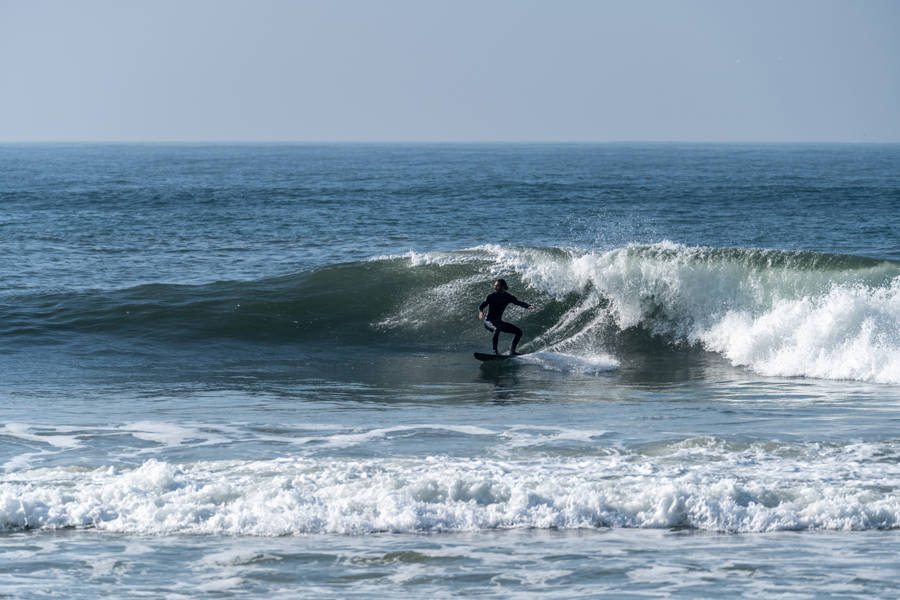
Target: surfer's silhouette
x,y
497,303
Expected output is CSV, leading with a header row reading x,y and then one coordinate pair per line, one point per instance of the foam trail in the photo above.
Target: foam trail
x,y
567,363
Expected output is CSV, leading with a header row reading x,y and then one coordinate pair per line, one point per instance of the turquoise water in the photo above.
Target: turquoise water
x,y
246,370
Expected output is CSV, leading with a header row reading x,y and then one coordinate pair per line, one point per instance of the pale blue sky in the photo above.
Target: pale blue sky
x,y
487,70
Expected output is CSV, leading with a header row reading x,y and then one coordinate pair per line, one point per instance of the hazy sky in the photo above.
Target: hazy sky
x,y
459,70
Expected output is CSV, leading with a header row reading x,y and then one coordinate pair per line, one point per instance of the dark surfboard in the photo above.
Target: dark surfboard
x,y
488,357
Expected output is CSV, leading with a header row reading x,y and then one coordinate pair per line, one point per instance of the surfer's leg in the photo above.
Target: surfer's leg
x,y
496,330
508,328
518,336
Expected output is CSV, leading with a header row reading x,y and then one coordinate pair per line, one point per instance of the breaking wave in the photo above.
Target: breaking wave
x,y
703,483
778,313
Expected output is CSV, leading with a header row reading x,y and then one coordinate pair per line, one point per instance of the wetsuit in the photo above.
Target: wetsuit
x,y
497,303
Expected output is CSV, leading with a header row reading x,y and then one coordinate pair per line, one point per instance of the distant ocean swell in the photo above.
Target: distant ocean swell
x,y
778,313
702,484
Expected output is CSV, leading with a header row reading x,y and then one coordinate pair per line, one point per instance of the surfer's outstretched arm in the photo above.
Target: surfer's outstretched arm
x,y
518,302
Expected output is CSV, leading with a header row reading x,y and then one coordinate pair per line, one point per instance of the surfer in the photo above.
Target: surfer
x,y
496,304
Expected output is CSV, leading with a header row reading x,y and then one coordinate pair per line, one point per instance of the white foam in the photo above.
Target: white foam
x,y
226,584
525,436
361,437
51,440
50,435
430,258
851,332
171,435
703,484
589,364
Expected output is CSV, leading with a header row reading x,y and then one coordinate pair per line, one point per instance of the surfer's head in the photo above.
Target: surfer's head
x,y
500,285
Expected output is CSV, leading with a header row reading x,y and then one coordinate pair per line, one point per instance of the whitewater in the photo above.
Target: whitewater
x,y
692,483
247,370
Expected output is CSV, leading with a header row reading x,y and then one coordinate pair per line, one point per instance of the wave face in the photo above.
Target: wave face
x,y
777,313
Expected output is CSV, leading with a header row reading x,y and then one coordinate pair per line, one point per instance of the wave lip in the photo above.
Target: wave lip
x,y
750,489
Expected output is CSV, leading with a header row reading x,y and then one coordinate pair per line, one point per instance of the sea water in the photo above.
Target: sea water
x,y
246,371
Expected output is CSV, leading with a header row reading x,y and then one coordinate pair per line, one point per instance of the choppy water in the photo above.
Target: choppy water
x,y
246,370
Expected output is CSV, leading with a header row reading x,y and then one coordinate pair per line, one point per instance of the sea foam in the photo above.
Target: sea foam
x,y
704,484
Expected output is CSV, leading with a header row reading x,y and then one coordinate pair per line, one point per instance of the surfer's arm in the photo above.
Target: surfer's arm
x,y
481,309
518,302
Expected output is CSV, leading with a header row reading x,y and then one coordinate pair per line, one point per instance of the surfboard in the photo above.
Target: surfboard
x,y
488,357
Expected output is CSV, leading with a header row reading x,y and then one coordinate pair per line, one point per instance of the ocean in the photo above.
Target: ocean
x,y
246,371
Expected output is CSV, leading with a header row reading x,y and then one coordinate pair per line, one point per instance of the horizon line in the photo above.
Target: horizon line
x,y
448,142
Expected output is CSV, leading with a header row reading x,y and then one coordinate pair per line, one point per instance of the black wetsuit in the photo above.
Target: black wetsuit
x,y
497,303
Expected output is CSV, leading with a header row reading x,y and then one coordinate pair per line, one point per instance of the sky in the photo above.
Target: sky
x,y
451,71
